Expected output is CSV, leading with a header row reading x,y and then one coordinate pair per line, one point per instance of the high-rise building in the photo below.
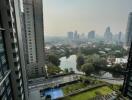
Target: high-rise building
x,y
76,35
70,35
108,35
34,36
11,22
82,37
129,30
127,86
91,35
119,36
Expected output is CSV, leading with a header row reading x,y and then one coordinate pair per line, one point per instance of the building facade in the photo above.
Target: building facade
x,y
76,35
129,30
10,19
91,35
127,86
34,36
5,82
70,35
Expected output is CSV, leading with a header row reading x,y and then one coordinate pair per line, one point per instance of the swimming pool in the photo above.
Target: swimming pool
x,y
54,93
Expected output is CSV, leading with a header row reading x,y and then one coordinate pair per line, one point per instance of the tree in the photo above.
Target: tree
x,y
53,59
100,63
80,61
66,70
88,68
71,70
67,52
52,69
93,58
117,67
96,60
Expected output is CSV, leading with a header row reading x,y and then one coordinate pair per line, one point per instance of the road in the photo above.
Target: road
x,y
118,81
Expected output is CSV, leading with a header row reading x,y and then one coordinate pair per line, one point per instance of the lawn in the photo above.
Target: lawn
x,y
69,88
92,93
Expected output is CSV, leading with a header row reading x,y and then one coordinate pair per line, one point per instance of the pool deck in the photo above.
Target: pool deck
x,y
36,86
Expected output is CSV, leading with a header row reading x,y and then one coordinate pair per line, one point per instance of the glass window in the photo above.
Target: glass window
x,y
1,76
3,59
7,81
7,2
11,34
14,55
4,97
8,12
2,88
1,48
5,69
13,45
8,90
10,24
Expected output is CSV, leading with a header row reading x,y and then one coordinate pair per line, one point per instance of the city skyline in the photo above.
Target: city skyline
x,y
86,58
61,16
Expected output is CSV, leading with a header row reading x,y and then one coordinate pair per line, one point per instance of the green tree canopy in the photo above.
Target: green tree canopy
x,y
52,69
66,70
53,59
117,67
80,61
96,60
88,68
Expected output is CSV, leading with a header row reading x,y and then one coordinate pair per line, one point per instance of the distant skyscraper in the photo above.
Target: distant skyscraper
x,y
127,86
76,36
70,35
119,38
108,35
82,36
129,30
91,35
34,37
12,63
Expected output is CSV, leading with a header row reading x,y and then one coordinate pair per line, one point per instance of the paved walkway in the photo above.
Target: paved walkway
x,y
38,83
34,95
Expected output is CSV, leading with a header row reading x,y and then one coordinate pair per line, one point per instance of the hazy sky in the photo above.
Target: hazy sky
x,y
61,16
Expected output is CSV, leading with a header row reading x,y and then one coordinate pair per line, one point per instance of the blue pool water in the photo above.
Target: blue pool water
x,y
55,93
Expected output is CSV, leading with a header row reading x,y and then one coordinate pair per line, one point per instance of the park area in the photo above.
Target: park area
x,y
92,93
72,87
84,91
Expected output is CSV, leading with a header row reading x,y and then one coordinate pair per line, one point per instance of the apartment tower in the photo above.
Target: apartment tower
x,y
34,36
127,86
11,24
129,30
